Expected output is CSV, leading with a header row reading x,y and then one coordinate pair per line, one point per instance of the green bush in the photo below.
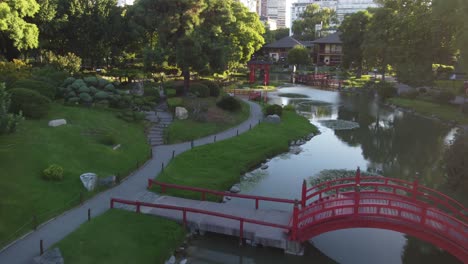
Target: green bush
x,y
84,89
289,107
171,93
53,173
131,116
273,109
69,81
86,98
174,102
213,86
30,102
150,90
50,75
92,81
386,90
71,94
101,95
178,86
410,95
109,87
77,84
102,82
93,90
229,103
464,108
8,121
46,89
73,100
444,97
200,90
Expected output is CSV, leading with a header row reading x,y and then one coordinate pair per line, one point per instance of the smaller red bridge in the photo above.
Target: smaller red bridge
x,y
370,202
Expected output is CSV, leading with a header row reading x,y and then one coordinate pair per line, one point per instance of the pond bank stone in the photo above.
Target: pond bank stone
x,y
275,119
181,113
235,189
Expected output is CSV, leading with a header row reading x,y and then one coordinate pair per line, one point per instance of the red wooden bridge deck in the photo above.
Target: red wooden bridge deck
x,y
372,202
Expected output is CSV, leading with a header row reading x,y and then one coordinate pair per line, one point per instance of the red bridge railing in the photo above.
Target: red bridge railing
x,y
379,185
164,186
186,210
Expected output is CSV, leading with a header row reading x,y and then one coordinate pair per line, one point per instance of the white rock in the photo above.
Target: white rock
x,y
181,113
116,147
184,261
295,150
171,260
235,189
57,122
275,119
264,167
89,180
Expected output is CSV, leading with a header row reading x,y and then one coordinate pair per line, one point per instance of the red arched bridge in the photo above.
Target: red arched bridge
x,y
370,202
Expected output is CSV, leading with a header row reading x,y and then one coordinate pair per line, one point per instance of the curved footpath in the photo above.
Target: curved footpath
x,y
25,249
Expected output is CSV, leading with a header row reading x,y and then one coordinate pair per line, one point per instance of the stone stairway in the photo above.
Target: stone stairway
x,y
161,118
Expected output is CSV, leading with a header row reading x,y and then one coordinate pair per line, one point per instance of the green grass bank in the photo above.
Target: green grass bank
x,y
218,166
120,236
83,145
444,112
214,120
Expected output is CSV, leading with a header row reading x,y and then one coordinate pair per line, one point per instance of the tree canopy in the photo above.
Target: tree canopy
x,y
304,27
15,31
299,55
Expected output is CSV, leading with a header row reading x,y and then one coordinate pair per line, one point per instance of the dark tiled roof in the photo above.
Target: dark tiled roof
x,y
286,42
330,39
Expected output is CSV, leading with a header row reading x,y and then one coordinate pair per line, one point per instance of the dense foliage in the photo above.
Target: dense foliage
x,y
8,121
31,103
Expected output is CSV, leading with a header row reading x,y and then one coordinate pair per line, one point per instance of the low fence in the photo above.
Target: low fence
x,y
186,210
164,186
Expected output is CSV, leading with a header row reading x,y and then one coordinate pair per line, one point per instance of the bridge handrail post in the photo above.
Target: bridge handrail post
x,y
415,187
358,176
150,183
241,231
295,220
112,203
304,194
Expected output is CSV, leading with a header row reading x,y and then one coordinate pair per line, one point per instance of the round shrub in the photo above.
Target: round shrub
x,y
84,89
214,87
171,93
102,82
444,97
44,88
77,84
109,87
86,98
102,104
101,95
200,90
68,81
53,173
92,81
73,100
93,90
386,90
273,110
31,103
71,94
229,103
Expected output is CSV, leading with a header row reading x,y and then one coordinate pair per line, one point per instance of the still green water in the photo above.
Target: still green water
x,y
388,142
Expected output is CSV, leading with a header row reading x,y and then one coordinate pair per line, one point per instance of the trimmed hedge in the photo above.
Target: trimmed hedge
x,y
31,103
200,90
213,86
273,109
53,173
174,102
44,88
229,103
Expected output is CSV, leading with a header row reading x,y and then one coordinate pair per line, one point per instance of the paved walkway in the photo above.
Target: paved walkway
x,y
24,250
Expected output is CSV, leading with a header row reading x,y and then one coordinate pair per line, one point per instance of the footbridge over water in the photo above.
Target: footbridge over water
x,y
354,202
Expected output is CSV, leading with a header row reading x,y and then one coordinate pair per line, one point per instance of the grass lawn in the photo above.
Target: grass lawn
x,y
445,112
75,147
454,86
215,120
218,166
122,237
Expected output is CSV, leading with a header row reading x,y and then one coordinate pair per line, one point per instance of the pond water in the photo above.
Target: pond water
x,y
388,142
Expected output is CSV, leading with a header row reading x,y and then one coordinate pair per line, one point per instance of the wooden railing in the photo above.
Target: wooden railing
x,y
164,186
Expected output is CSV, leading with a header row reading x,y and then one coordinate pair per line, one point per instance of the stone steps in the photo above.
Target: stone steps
x,y
164,119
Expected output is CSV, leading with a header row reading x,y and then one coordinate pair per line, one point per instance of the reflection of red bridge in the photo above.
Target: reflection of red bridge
x,y
371,202
319,80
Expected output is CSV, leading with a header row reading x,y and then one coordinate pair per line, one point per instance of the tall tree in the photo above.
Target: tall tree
x,y
353,30
299,55
304,27
15,32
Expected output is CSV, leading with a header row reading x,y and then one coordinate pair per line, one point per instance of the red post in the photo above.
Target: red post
x,y
252,74
415,188
358,176
112,203
150,184
138,207
304,194
295,220
241,231
267,74
256,204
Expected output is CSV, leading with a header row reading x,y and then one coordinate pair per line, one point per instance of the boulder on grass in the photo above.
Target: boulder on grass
x,y
53,256
181,113
89,180
108,181
275,119
57,122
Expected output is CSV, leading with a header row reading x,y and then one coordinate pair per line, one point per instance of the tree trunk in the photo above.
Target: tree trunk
x,y
359,72
186,74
